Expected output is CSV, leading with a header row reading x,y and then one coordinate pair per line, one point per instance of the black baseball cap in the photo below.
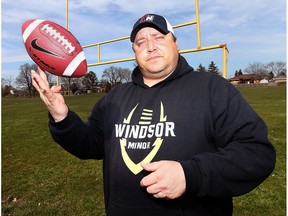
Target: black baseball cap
x,y
151,20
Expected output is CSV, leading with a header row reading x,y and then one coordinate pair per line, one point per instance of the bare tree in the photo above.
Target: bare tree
x,y
65,83
24,80
116,75
76,84
258,69
7,81
277,68
71,84
125,74
6,85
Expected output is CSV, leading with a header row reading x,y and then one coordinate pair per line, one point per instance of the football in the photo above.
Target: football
x,y
54,48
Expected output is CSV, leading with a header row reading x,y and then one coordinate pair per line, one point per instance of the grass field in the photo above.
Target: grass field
x,y
39,178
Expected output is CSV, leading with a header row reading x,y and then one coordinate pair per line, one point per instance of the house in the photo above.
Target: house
x,y
243,79
280,79
263,81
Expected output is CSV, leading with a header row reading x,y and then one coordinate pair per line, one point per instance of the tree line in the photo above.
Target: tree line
x,y
114,76
22,85
260,70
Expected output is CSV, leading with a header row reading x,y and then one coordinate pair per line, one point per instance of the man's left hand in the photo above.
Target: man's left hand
x,y
166,180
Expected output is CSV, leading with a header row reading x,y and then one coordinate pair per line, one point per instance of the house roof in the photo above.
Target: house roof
x,y
243,77
281,77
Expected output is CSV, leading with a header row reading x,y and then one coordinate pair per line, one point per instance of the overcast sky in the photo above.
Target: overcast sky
x,y
254,31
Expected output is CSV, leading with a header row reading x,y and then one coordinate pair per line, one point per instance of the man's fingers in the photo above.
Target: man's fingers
x,y
159,195
56,89
149,180
152,178
39,83
52,98
153,189
151,167
34,80
43,76
166,180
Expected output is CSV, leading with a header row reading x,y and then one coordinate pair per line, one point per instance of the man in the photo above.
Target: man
x,y
173,141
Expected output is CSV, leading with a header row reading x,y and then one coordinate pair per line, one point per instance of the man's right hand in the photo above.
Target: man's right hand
x,y
52,98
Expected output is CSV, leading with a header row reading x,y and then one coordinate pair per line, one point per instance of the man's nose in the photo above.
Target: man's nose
x,y
151,46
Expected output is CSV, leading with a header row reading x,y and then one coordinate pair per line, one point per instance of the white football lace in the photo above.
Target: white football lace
x,y
57,36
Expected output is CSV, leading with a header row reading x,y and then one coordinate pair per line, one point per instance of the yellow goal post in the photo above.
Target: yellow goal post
x,y
183,51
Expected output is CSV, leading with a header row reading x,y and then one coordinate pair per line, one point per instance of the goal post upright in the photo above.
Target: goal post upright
x,y
198,49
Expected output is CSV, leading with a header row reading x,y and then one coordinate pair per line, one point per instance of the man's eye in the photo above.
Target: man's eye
x,y
159,37
139,43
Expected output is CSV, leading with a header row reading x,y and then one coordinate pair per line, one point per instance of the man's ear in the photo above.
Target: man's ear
x,y
176,42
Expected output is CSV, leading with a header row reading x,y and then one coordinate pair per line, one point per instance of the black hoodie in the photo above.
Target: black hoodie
x,y
198,119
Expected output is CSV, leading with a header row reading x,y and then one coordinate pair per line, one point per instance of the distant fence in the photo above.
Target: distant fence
x,y
258,84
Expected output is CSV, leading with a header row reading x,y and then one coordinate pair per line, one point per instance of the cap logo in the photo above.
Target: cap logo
x,y
147,18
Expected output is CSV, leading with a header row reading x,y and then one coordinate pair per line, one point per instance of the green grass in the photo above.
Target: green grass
x,y
270,197
40,178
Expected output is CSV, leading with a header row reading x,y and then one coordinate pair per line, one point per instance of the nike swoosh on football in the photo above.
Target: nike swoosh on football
x,y
39,48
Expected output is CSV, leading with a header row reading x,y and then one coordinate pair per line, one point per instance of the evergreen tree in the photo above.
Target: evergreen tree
x,y
201,68
90,80
271,75
213,68
237,73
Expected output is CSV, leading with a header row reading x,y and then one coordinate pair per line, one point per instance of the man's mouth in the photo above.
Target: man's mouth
x,y
153,57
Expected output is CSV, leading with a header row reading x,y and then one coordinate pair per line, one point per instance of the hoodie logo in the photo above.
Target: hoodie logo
x,y
138,137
